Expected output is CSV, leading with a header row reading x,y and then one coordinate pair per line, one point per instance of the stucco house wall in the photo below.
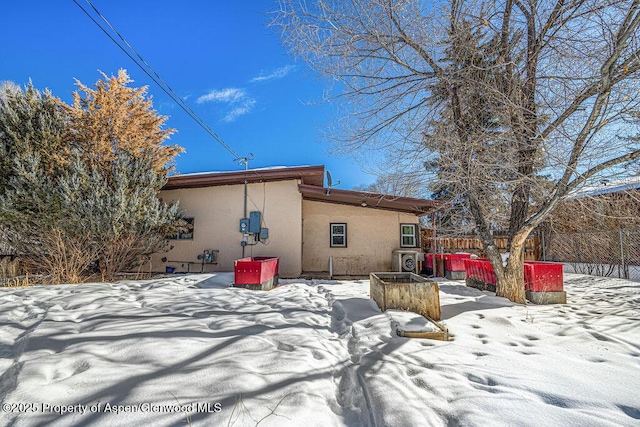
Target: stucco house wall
x,y
372,235
217,211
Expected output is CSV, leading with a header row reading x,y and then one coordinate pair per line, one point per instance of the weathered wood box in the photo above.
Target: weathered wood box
x,y
406,291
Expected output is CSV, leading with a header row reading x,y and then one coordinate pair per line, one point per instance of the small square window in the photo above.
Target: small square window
x,y
408,235
185,229
338,235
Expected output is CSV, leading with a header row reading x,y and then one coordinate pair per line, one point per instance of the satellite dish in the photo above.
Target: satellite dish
x,y
330,180
330,183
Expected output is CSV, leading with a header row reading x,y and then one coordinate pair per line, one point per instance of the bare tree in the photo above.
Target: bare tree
x,y
515,102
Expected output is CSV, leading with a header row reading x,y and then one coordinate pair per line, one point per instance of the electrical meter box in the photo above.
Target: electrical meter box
x,y
264,233
254,222
244,225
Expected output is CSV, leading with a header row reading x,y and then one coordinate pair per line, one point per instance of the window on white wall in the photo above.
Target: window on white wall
x,y
338,235
409,235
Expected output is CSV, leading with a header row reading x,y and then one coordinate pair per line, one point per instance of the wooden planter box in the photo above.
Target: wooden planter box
x,y
406,291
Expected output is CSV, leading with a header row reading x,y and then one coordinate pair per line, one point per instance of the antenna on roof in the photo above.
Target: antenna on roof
x,y
330,183
244,160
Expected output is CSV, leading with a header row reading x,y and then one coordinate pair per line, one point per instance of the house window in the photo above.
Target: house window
x,y
185,229
338,235
408,235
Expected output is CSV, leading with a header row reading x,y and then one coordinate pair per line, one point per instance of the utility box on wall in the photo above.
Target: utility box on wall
x,y
209,256
264,233
254,222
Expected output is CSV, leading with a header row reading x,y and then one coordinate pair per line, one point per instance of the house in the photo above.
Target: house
x,y
609,206
596,229
287,212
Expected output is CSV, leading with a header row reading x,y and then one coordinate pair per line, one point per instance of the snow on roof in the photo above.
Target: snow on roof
x,y
239,170
625,184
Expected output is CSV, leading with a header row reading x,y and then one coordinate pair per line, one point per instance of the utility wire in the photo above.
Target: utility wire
x,y
148,70
166,88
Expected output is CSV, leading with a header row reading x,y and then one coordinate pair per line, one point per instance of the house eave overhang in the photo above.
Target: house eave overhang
x,y
411,205
311,175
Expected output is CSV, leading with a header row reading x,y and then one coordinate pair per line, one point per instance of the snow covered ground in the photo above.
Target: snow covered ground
x,y
188,350
606,270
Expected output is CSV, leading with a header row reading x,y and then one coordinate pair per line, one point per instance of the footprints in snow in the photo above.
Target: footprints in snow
x,y
285,347
484,383
527,341
482,338
81,366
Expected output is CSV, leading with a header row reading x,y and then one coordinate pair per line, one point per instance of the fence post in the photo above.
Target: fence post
x,y
623,276
434,249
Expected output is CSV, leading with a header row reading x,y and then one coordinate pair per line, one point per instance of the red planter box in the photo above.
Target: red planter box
x,y
454,266
479,272
455,262
258,271
538,276
543,280
543,276
486,271
468,269
430,259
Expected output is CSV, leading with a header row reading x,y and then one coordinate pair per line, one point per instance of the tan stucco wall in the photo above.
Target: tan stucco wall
x,y
217,212
372,235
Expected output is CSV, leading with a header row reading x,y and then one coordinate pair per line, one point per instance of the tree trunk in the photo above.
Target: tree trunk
x,y
510,284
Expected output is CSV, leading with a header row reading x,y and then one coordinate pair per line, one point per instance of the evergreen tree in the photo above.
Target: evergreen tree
x,y
120,209
80,184
84,217
30,122
113,117
468,56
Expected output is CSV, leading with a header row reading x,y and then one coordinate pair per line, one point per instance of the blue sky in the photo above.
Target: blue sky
x,y
218,55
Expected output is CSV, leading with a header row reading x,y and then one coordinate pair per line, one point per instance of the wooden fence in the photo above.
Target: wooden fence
x,y
473,245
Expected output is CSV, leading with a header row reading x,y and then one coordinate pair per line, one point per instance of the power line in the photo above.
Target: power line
x,y
158,80
166,88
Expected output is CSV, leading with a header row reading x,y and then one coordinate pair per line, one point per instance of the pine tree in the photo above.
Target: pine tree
x,y
30,122
468,57
79,184
112,118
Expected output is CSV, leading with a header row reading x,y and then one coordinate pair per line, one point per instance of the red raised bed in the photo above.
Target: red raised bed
x,y
469,269
256,272
479,274
455,262
543,276
454,266
439,268
543,283
430,259
543,280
